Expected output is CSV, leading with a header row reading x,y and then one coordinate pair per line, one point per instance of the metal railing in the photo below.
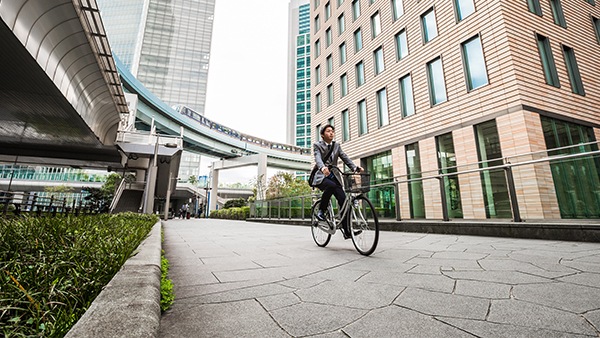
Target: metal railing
x,y
19,203
299,207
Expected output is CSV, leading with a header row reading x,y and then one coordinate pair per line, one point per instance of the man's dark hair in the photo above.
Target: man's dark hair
x,y
325,128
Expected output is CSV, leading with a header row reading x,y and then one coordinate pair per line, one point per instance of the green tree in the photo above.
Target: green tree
x,y
235,203
58,189
285,184
100,198
193,180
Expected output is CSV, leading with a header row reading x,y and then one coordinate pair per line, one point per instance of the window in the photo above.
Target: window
x,y
557,13
357,41
547,61
327,11
371,2
318,130
447,165
416,199
329,65
474,63
328,37
401,45
397,10
596,23
534,7
331,121
317,23
435,80
592,2
463,8
407,101
378,60
345,126
330,95
342,53
340,2
318,74
317,48
429,26
343,85
360,74
573,70
317,3
383,117
318,102
355,9
341,24
493,182
362,117
375,25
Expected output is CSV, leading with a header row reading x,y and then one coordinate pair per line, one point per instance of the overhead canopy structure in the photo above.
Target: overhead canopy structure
x,y
60,95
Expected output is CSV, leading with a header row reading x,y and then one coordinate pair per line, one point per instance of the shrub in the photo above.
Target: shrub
x,y
231,213
166,285
235,203
51,269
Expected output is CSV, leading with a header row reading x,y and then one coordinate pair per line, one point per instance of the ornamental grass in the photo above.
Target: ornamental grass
x,y
51,269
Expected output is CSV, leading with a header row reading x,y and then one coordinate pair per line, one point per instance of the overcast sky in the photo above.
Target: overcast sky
x,y
248,67
248,73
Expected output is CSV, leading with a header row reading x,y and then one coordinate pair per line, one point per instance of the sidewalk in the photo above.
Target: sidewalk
x,y
246,279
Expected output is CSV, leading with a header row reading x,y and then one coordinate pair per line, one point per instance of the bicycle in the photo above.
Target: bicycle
x,y
364,225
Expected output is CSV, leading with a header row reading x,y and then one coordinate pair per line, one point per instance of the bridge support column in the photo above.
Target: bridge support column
x,y
214,184
261,178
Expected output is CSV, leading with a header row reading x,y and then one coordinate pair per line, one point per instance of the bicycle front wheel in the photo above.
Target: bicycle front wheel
x,y
321,237
364,225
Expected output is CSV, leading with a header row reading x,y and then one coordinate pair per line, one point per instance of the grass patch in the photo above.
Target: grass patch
x,y
51,269
166,285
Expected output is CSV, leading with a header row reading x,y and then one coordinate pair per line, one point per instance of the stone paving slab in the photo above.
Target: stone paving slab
x,y
250,279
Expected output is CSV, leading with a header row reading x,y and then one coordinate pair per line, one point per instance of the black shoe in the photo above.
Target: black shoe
x,y
321,215
347,233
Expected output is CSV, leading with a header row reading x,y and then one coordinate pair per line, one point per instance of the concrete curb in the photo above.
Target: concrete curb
x,y
129,306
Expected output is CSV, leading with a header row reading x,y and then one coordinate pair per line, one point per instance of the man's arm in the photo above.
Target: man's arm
x,y
317,154
347,160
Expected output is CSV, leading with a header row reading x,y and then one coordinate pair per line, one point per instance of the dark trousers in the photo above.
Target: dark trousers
x,y
331,186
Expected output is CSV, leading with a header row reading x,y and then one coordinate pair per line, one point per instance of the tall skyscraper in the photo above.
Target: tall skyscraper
x,y
298,94
165,44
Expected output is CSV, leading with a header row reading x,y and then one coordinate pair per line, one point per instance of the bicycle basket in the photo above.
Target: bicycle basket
x,y
357,182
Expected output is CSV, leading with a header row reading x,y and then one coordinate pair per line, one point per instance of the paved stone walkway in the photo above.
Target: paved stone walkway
x,y
242,279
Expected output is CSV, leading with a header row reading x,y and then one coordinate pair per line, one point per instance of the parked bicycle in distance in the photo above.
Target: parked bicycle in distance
x,y
364,225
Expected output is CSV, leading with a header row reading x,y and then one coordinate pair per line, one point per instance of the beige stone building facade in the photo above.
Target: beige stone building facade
x,y
421,88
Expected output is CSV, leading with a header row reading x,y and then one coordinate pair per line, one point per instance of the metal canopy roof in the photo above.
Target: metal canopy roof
x,y
60,93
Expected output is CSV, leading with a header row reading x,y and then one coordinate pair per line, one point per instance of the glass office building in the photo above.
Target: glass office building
x,y
165,44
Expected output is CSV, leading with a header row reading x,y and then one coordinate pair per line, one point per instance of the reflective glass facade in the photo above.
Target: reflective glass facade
x,y
165,43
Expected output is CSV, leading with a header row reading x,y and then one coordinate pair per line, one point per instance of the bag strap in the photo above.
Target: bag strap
x,y
329,152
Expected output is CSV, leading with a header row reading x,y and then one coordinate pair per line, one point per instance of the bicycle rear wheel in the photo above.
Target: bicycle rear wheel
x,y
364,225
321,237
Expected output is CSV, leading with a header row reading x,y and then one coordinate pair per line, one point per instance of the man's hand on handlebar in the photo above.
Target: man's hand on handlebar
x,y
325,171
358,170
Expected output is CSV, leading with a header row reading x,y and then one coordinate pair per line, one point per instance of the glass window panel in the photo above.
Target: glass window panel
x,y
327,11
344,85
317,48
342,53
416,197
437,85
328,37
382,108
474,61
318,74
360,74
341,24
547,59
429,25
318,102
317,23
557,13
596,23
357,41
464,8
447,165
345,126
401,45
375,25
397,10
573,71
362,117
407,102
329,65
379,62
329,95
355,9
534,7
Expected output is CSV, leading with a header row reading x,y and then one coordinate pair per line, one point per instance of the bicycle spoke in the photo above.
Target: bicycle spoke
x,y
364,226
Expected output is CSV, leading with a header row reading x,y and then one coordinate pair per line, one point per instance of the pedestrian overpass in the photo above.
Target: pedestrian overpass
x,y
63,103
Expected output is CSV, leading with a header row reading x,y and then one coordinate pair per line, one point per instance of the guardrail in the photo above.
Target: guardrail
x,y
19,203
526,165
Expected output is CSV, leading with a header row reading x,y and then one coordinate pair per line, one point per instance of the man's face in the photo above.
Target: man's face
x,y
328,135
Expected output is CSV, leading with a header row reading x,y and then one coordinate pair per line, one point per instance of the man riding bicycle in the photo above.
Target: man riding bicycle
x,y
331,183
